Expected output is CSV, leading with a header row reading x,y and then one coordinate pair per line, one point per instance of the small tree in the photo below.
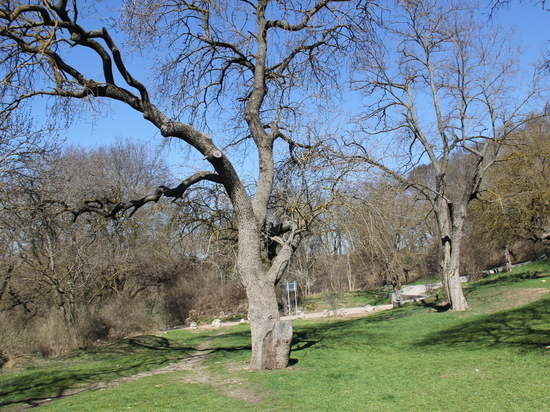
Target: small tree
x,y
253,64
445,84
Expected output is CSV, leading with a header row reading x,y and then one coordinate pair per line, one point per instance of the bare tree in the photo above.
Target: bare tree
x,y
75,264
445,84
391,236
23,151
514,207
257,63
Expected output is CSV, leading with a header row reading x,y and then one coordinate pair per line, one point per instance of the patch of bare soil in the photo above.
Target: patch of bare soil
x,y
232,386
519,297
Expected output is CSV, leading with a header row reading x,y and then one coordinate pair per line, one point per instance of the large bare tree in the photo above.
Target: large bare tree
x,y
252,64
445,84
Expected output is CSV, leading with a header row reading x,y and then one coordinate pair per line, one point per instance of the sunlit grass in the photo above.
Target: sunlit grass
x,y
166,392
408,359
329,300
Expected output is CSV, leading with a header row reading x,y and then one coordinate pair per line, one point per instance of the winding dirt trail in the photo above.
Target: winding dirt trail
x,y
234,386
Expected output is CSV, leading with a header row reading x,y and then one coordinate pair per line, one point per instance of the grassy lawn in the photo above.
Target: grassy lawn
x,y
330,300
494,357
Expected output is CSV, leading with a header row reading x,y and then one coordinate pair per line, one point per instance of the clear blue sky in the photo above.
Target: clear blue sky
x,y
529,20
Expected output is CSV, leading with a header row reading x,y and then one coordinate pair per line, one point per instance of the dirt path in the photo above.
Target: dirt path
x,y
234,386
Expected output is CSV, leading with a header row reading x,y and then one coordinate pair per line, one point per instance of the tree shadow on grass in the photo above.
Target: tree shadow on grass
x,y
511,277
524,328
363,333
111,361
436,305
301,341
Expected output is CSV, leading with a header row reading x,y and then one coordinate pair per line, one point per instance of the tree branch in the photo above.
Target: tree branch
x,y
111,211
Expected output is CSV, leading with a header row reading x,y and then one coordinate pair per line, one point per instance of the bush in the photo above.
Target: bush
x,y
125,317
3,358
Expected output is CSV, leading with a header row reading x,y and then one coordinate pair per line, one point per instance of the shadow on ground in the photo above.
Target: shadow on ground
x,y
108,362
524,328
512,277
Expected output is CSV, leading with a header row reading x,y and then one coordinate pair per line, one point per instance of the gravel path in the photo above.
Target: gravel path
x,y
343,313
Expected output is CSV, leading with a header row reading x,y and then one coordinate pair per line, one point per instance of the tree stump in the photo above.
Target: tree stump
x,y
283,342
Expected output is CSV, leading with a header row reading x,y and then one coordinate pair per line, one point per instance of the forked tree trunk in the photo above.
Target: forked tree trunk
x,y
451,228
271,338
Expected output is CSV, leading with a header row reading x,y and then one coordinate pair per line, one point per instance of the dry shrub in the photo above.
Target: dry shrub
x,y
93,327
3,358
476,258
54,338
9,338
179,297
121,318
227,301
21,336
189,301
49,336
528,250
197,292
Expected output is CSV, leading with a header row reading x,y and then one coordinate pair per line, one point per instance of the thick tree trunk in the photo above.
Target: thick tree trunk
x,y
271,338
451,273
455,294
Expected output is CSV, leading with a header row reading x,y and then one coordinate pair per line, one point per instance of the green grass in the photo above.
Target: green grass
x,y
104,362
326,300
408,359
165,392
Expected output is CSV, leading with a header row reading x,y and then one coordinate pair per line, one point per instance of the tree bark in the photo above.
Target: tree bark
x,y
283,342
450,220
508,257
455,293
451,274
271,338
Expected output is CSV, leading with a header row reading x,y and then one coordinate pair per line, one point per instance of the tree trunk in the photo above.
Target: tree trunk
x,y
451,223
271,338
270,343
508,257
455,294
451,274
